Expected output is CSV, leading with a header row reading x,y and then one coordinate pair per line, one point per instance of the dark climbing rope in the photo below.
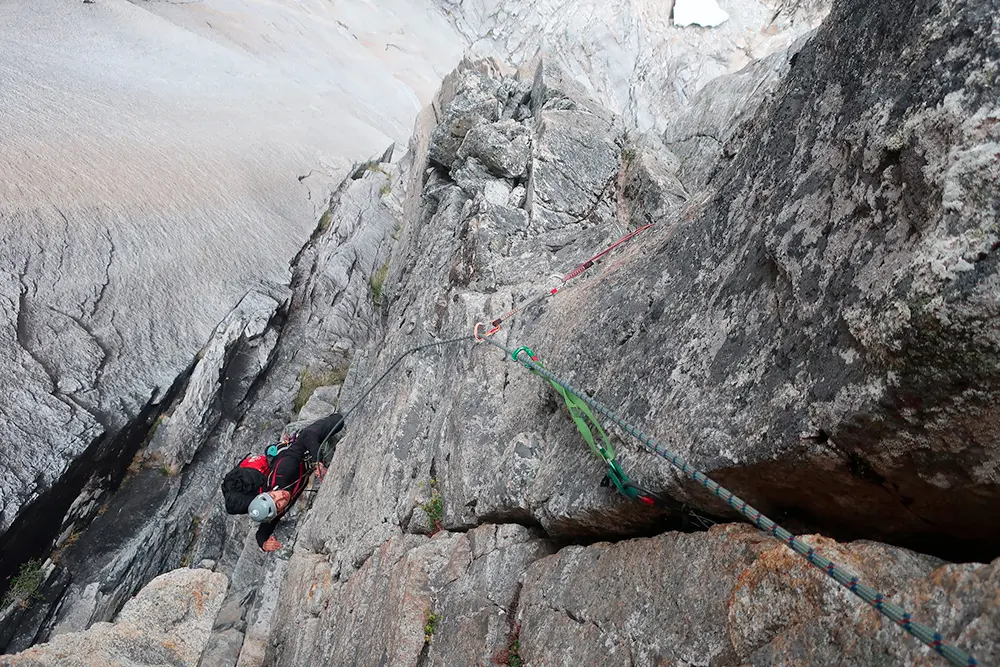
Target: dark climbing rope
x,y
843,577
578,403
357,403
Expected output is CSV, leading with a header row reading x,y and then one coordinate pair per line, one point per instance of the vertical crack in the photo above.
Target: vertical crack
x,y
107,272
23,333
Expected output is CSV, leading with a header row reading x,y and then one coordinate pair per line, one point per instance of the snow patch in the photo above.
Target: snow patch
x,y
705,13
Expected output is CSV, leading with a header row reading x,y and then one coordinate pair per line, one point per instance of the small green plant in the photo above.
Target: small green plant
x,y
24,587
430,624
377,168
308,383
135,465
628,147
73,538
377,281
151,433
435,506
514,653
324,220
158,461
514,648
385,189
395,233
510,655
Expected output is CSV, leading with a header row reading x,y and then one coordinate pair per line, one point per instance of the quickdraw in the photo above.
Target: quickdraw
x,y
845,578
497,322
587,424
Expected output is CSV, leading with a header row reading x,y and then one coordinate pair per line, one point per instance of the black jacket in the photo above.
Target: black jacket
x,y
290,469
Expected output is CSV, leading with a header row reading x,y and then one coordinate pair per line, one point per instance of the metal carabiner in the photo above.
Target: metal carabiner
x,y
481,338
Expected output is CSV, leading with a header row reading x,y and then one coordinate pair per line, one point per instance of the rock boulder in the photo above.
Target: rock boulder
x,y
167,623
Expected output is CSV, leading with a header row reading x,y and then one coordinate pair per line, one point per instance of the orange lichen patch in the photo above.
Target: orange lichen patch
x,y
319,584
778,561
941,576
869,621
950,576
778,564
199,601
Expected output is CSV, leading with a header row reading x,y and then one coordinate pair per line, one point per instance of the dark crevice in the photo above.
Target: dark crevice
x,y
23,627
646,523
620,523
512,516
106,459
799,496
361,169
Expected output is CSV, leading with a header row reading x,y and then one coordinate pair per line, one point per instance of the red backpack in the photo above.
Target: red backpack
x,y
257,462
244,482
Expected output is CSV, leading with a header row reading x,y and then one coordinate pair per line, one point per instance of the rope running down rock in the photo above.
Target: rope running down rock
x,y
843,577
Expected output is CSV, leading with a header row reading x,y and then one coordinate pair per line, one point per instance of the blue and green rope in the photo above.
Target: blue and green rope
x,y
845,578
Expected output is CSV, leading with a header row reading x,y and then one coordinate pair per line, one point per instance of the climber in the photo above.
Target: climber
x,y
265,487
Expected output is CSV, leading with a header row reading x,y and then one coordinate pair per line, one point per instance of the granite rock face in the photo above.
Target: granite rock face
x,y
167,623
277,349
492,441
149,186
812,318
732,596
449,599
805,320
825,317
630,55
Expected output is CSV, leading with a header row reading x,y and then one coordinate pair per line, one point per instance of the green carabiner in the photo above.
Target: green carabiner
x,y
523,348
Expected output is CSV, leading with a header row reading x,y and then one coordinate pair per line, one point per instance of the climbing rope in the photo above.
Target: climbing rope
x,y
843,577
579,406
587,425
343,418
615,474
590,262
496,323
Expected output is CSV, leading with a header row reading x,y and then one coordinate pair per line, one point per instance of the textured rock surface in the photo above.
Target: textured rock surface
x,y
630,54
495,445
813,319
825,320
154,523
711,130
150,185
168,623
237,398
732,596
445,600
754,329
